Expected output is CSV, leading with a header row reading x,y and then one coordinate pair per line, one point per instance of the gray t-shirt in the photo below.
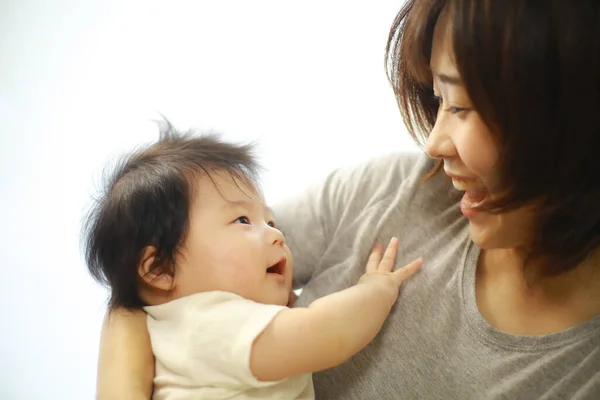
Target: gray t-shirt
x,y
435,344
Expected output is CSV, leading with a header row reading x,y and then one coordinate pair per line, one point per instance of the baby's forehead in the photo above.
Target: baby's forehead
x,y
250,205
231,191
251,202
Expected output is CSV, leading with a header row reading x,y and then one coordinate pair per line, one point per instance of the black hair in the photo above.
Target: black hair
x,y
146,202
532,72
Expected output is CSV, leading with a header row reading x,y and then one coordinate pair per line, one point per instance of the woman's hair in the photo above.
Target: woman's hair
x,y
532,71
146,202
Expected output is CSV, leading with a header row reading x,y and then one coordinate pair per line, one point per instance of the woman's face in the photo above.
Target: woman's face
x,y
464,142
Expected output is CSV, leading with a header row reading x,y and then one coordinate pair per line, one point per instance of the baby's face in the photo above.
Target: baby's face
x,y
233,245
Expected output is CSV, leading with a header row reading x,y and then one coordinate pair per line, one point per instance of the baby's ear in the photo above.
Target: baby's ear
x,y
154,277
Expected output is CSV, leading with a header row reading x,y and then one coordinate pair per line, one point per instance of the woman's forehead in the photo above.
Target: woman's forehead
x,y
442,61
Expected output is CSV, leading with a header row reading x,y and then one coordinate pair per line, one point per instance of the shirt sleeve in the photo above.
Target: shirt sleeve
x,y
223,337
310,220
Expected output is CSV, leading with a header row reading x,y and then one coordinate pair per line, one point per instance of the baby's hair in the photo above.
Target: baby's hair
x,y
146,202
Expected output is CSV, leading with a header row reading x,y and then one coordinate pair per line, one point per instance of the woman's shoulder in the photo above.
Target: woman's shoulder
x,y
399,176
400,165
388,178
382,172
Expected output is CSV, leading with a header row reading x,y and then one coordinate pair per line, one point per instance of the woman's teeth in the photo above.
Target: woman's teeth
x,y
464,186
475,193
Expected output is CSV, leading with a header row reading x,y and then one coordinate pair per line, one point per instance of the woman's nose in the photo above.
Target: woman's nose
x,y
439,142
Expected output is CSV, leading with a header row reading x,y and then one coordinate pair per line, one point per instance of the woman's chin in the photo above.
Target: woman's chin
x,y
484,233
502,231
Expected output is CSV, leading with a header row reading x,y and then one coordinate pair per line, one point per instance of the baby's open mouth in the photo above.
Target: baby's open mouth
x,y
278,268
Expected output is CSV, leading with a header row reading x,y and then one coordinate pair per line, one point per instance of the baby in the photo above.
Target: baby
x,y
183,232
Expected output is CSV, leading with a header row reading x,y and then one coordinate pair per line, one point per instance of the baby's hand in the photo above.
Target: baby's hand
x,y
379,270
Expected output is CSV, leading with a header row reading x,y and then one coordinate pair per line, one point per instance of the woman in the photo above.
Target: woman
x,y
506,97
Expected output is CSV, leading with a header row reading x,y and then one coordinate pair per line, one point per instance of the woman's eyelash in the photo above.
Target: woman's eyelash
x,y
453,110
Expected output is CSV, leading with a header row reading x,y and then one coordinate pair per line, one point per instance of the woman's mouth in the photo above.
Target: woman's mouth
x,y
475,195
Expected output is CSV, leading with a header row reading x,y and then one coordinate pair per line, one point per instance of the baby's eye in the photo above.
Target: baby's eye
x,y
243,220
271,224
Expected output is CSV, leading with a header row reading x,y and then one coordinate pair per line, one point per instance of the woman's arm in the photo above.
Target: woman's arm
x,y
125,363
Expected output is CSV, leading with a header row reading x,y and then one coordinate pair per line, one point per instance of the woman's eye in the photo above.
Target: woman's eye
x,y
451,109
243,220
455,110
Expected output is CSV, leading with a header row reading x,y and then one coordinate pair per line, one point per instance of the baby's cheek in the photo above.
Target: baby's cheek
x,y
289,267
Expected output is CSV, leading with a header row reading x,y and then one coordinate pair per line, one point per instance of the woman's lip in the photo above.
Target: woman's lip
x,y
459,177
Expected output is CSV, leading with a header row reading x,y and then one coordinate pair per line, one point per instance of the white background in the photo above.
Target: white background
x,y
79,81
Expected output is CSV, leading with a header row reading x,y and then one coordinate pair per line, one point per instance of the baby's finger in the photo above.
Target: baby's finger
x,y
402,274
374,258
389,257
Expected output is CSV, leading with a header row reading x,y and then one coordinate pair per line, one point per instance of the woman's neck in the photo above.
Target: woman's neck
x,y
521,303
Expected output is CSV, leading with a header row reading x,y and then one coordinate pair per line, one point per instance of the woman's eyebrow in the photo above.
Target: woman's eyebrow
x,y
449,79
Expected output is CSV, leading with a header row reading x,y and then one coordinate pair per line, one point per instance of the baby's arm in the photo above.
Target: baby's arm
x,y
333,328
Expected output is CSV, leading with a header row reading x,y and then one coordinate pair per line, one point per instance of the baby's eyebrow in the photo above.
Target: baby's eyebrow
x,y
269,210
251,205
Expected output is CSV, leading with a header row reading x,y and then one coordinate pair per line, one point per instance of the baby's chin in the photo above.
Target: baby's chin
x,y
280,299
